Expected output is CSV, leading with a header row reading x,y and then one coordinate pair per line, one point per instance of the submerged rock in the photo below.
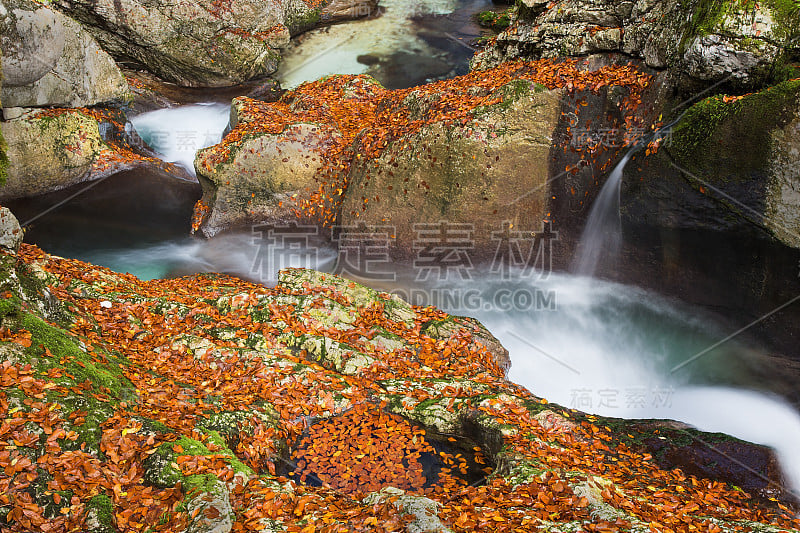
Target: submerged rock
x,y
49,60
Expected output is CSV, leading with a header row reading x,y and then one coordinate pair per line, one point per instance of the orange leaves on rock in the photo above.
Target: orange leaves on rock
x,y
364,450
199,214
188,346
20,336
357,108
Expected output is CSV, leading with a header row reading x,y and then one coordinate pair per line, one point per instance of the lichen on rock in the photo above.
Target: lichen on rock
x,y
136,413
51,61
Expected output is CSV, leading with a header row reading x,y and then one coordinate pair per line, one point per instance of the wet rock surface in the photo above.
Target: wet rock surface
x,y
179,403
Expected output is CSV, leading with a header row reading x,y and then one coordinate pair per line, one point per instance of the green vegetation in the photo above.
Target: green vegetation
x,y
301,21
709,126
709,14
162,470
710,17
494,20
102,509
54,353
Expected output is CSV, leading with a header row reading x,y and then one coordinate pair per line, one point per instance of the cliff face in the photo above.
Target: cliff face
x,y
211,404
730,165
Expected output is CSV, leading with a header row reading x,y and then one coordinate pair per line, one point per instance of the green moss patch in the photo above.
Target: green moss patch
x,y
737,132
494,20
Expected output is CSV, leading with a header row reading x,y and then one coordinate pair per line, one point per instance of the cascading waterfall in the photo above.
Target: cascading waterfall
x,y
603,232
178,133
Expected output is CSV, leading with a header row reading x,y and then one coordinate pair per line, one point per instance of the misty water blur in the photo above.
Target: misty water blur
x,y
178,133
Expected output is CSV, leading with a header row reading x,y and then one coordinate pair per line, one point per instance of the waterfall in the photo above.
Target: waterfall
x,y
178,133
603,231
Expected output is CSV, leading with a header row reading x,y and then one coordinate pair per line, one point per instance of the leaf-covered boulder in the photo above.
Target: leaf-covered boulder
x,y
482,174
184,405
258,176
50,60
490,151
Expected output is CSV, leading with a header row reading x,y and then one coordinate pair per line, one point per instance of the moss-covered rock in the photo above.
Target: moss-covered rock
x,y
3,146
100,514
49,152
730,164
701,42
424,510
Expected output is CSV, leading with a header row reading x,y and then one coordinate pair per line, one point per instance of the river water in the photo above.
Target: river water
x,y
599,346
411,43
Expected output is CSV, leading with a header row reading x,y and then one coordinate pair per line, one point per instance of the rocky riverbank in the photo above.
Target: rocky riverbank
x,y
212,404
207,403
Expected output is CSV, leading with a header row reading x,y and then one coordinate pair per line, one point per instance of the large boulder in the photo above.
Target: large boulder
x,y
49,150
701,43
195,399
202,43
730,164
495,154
3,155
49,60
477,177
259,174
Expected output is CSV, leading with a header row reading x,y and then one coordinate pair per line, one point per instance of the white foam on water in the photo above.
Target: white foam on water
x,y
177,133
612,350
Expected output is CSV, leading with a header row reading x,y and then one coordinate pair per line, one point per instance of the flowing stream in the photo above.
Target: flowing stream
x,y
178,133
601,347
602,235
410,43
